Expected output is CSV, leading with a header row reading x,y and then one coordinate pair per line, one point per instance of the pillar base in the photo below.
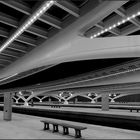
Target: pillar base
x,y
112,101
16,102
105,102
66,102
93,101
26,104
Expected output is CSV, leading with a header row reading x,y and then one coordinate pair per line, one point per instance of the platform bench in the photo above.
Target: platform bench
x,y
137,109
65,126
55,106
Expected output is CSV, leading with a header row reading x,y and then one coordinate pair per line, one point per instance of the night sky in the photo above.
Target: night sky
x,y
64,70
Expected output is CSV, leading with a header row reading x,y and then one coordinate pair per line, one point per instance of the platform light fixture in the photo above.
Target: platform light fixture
x,y
8,77
44,7
115,25
20,93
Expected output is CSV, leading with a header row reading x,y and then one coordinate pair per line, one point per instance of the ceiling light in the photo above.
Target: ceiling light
x,y
133,16
114,25
110,27
128,18
8,77
91,37
45,6
123,21
102,32
138,14
117,24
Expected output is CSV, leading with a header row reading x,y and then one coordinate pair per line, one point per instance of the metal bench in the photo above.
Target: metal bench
x,y
65,126
137,109
55,106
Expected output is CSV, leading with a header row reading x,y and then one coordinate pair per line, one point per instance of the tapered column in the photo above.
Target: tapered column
x,y
66,102
50,100
93,101
16,101
76,100
105,102
112,100
26,103
7,114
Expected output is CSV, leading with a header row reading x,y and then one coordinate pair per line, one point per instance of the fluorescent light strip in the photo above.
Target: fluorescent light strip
x,y
115,25
45,6
8,77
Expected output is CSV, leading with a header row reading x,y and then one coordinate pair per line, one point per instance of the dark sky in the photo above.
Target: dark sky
x,y
64,70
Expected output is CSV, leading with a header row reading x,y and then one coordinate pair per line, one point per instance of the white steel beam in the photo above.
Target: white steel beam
x,y
69,7
28,11
122,12
10,55
8,20
21,38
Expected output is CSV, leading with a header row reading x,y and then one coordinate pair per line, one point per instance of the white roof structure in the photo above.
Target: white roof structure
x,y
36,35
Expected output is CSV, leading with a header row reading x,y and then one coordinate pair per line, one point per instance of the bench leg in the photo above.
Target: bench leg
x,y
137,110
130,110
46,128
55,128
65,130
77,133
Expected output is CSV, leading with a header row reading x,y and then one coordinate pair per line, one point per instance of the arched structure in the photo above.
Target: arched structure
x,y
128,98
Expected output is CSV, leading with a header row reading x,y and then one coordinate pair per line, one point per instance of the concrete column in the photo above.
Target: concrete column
x,y
59,100
16,101
7,114
66,102
92,101
112,100
105,102
49,99
76,100
26,103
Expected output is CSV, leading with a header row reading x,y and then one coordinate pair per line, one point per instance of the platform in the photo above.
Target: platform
x,y
30,127
112,118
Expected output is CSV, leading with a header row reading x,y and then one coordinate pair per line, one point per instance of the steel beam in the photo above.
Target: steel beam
x,y
28,11
8,20
10,55
69,7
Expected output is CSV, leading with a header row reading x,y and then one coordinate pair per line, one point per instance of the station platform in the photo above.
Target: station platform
x,y
30,127
112,118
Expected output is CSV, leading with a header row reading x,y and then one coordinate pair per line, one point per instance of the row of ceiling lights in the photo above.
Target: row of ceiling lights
x,y
45,6
115,25
118,73
3,79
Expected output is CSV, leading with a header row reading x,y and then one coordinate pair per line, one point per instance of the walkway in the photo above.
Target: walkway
x,y
30,127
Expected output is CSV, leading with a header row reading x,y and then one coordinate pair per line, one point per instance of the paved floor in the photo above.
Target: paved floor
x,y
30,127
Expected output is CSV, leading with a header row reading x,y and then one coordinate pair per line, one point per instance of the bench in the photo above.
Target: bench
x,y
137,109
65,126
55,106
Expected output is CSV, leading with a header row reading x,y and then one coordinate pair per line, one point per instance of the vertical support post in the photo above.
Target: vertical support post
x,y
112,100
16,101
7,107
66,102
26,103
105,102
76,99
49,99
92,101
